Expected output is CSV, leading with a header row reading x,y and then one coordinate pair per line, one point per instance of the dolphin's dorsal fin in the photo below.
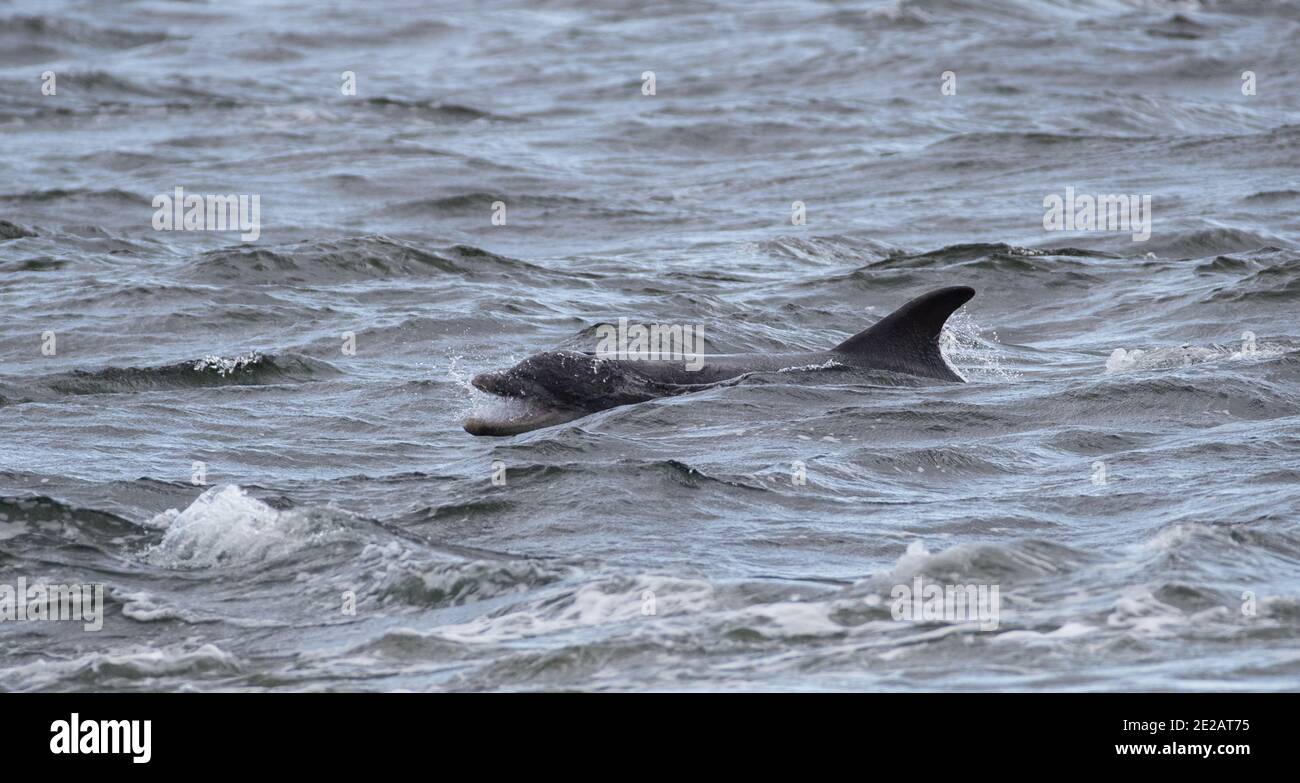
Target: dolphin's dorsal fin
x,y
907,340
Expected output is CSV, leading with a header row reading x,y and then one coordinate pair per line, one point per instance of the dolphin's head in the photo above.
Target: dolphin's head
x,y
542,390
556,378
558,386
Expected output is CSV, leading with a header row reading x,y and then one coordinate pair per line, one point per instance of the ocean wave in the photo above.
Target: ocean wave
x,y
478,204
250,369
1270,279
48,31
1272,196
601,602
121,668
13,231
1203,242
32,520
1189,542
830,250
995,256
343,260
457,583
356,35
949,463
979,563
111,195
1180,27
1147,396
434,110
1031,142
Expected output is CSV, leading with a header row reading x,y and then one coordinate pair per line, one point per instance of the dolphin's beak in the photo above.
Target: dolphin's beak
x,y
515,422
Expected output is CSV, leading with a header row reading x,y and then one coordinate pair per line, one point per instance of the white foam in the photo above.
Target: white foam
x,y
225,366
593,604
969,353
225,525
1168,357
826,365
1139,611
790,619
132,665
143,606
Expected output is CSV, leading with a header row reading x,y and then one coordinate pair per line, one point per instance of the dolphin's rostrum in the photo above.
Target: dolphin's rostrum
x,y
558,386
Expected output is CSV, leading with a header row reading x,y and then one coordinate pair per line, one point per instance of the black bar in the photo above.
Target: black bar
x,y
230,731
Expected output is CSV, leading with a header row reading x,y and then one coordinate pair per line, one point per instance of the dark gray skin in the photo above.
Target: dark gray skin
x,y
558,386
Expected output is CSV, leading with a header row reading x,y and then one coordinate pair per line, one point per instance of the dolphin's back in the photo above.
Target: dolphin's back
x,y
907,340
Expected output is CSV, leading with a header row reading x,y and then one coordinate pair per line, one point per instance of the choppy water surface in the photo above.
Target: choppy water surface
x,y
1122,464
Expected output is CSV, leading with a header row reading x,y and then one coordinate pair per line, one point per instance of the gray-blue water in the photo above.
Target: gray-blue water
x,y
1137,510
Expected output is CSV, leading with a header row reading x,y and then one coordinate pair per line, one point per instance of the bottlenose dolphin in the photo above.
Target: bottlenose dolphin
x,y
558,386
